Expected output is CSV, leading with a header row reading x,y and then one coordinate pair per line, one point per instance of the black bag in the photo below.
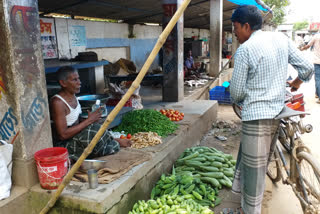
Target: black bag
x,y
87,56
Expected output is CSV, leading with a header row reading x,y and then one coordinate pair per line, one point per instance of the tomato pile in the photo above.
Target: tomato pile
x,y
125,137
173,115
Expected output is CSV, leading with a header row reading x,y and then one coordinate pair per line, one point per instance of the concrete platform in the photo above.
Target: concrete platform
x,y
119,196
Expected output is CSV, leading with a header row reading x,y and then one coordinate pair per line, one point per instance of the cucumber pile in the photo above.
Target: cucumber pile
x,y
193,186
209,165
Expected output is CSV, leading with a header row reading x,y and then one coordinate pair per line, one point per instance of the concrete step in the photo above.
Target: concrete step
x,y
16,202
120,195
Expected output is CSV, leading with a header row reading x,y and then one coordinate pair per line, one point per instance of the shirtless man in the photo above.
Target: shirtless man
x,y
69,131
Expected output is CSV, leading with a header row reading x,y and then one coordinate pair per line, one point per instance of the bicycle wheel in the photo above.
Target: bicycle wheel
x,y
274,167
310,173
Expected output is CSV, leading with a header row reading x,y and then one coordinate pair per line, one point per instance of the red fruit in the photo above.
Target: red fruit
x,y
128,136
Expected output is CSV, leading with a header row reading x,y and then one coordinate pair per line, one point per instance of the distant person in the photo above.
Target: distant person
x,y
315,43
299,41
189,62
306,39
69,131
190,69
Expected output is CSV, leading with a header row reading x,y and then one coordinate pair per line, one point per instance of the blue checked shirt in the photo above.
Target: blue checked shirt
x,y
258,81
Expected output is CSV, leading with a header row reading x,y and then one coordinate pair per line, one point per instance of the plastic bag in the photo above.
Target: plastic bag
x,y
5,169
118,91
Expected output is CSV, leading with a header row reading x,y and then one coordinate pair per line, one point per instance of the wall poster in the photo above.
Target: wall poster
x,y
77,35
48,38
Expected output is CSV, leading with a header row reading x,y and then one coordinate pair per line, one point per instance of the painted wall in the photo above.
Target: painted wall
x,y
111,40
196,33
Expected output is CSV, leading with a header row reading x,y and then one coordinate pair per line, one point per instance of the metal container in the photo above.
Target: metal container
x,y
86,101
92,178
92,164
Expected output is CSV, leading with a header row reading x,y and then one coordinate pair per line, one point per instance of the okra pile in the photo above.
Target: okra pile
x,y
170,204
209,165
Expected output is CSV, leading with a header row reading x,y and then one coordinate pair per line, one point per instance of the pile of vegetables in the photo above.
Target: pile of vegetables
x,y
173,115
209,165
146,120
193,186
184,184
170,204
145,139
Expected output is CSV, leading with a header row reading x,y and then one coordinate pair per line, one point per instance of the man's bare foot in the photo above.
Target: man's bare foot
x,y
124,142
231,211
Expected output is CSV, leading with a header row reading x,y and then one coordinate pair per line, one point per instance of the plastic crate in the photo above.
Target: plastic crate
x,y
220,94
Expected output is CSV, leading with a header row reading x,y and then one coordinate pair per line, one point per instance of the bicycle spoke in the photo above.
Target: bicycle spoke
x,y
310,174
310,178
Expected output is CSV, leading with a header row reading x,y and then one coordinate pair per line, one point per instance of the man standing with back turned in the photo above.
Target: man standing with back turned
x,y
258,84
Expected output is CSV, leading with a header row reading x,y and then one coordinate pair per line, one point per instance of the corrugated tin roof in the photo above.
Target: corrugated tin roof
x,y
136,11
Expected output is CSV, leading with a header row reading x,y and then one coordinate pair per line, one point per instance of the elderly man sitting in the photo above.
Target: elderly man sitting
x,y
69,131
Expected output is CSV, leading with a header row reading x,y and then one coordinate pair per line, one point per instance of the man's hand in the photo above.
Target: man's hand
x,y
94,116
124,142
295,84
305,47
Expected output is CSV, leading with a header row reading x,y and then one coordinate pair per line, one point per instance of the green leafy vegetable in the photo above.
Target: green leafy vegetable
x,y
146,120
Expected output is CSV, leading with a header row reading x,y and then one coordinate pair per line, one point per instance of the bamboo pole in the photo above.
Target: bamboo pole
x,y
161,40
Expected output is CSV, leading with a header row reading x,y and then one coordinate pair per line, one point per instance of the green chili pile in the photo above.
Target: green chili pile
x,y
146,120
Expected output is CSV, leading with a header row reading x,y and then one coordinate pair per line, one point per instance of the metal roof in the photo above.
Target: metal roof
x,y
136,11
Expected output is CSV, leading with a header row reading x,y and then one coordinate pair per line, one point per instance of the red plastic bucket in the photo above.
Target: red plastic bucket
x,y
52,166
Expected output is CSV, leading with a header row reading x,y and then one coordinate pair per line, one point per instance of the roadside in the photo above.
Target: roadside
x,y
278,198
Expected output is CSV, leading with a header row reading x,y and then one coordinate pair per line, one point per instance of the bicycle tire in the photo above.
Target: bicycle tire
x,y
310,172
274,167
284,138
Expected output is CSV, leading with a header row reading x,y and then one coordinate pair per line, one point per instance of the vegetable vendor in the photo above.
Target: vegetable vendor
x,y
68,130
258,84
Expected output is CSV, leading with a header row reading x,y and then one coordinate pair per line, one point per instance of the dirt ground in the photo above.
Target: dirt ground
x,y
277,198
230,128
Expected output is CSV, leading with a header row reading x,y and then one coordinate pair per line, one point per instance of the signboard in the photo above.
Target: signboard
x,y
48,38
77,35
315,26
